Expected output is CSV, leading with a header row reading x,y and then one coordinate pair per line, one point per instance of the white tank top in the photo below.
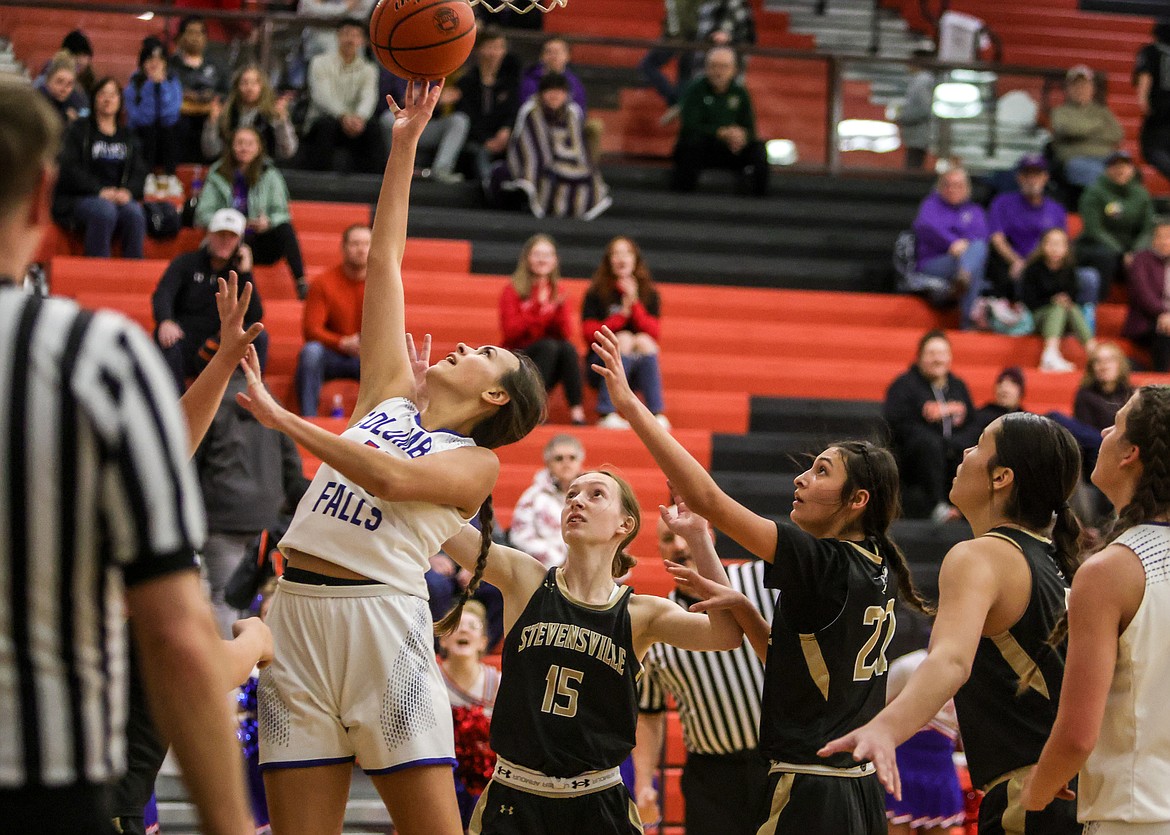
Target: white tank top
x,y
1127,777
391,542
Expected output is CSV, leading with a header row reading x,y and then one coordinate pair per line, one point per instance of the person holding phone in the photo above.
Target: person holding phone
x,y
184,301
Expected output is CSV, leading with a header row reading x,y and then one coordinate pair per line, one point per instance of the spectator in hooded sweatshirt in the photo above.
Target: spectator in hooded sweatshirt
x,y
1148,320
1118,214
554,57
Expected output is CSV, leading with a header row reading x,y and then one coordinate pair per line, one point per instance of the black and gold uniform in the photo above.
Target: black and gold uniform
x,y
564,720
825,677
1004,729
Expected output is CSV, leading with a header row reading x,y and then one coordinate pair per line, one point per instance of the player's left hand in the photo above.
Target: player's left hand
x,y
420,361
682,521
874,743
417,107
258,401
233,306
605,345
1033,802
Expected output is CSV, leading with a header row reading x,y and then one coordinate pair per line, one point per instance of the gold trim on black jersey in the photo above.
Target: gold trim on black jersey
x,y
597,607
865,552
1026,669
816,663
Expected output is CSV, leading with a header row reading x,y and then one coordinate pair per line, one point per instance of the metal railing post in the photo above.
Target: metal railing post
x,y
835,107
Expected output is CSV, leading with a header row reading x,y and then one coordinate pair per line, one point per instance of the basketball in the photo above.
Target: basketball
x,y
427,39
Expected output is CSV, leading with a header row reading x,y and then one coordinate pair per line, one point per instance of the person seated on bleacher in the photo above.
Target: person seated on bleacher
x,y
332,321
343,91
951,235
535,320
536,519
1049,289
622,298
78,46
925,408
101,178
59,87
184,303
1151,76
679,23
490,98
245,179
548,160
251,103
204,83
718,128
1084,131
153,99
318,40
1147,321
555,57
1008,398
1017,220
442,139
1118,217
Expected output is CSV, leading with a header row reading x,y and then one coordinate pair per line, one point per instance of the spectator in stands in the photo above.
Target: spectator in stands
x,y
535,320
951,239
536,520
321,39
915,115
555,57
489,97
681,23
548,160
153,99
622,297
332,321
727,23
249,182
719,128
1147,321
1084,131
251,103
1104,389
184,301
204,84
247,473
724,779
1152,79
1049,289
343,88
1008,398
442,139
925,408
78,46
59,87
1118,216
101,177
1017,220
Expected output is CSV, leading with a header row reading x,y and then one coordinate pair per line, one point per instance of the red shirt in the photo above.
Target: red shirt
x,y
524,321
333,308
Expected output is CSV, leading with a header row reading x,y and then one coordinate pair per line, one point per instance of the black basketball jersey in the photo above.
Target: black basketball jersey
x,y
1002,728
826,670
568,698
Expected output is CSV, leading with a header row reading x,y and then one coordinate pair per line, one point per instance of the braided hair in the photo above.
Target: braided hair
x,y
450,621
1147,426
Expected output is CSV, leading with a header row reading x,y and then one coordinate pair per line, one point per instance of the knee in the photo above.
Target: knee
x,y
625,341
133,215
102,211
644,344
312,357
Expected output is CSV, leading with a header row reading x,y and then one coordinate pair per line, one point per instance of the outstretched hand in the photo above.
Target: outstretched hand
x,y
233,306
258,400
418,105
605,345
871,742
711,596
680,520
420,361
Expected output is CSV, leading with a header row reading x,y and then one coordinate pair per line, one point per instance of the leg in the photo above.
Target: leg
x,y
1084,171
221,554
1160,352
651,69
458,125
369,152
973,262
543,354
1104,259
145,752
285,243
569,372
1156,148
689,155
724,793
754,160
131,229
97,218
322,138
646,376
420,800
1077,323
1088,285
924,454
288,788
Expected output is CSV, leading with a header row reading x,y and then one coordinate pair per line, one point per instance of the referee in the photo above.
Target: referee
x,y
99,515
725,780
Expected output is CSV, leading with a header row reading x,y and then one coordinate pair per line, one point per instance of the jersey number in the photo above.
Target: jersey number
x,y
877,617
559,683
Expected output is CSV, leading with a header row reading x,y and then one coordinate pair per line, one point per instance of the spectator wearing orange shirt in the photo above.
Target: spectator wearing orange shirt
x,y
332,321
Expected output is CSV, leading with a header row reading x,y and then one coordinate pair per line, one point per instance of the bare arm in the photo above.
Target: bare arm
x,y
183,669
251,647
651,734
385,365
693,483
713,596
1145,83
513,572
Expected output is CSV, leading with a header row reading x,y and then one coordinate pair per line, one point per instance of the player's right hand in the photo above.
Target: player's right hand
x,y
648,809
871,742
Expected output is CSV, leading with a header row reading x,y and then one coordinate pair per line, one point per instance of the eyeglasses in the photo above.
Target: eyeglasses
x,y
560,459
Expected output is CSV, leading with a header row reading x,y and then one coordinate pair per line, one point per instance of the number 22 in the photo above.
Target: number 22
x,y
864,670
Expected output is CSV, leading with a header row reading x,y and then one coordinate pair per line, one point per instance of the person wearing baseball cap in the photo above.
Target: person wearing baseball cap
x,y
184,301
1084,131
1118,214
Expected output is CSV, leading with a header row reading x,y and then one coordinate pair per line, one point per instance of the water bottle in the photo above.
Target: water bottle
x,y
338,410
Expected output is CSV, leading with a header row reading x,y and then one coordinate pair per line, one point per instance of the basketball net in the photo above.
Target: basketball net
x,y
519,6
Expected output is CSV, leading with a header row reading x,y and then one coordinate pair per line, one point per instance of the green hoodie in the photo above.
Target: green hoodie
x,y
1121,217
268,197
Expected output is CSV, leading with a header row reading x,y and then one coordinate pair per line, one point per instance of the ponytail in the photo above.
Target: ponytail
x,y
906,588
450,621
1067,546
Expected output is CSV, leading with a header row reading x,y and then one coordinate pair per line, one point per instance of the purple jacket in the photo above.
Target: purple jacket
x,y
939,224
1147,294
1022,223
530,81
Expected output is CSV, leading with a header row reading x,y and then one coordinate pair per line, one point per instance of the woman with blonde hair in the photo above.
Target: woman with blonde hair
x,y
535,321
251,103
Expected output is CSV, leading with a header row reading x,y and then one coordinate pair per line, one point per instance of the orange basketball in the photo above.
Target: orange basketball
x,y
422,38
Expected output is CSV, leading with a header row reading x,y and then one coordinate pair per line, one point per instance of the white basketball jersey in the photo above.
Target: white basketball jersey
x,y
391,542
1127,777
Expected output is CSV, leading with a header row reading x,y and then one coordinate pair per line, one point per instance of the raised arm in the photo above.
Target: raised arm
x,y
514,573
967,591
385,366
688,477
712,596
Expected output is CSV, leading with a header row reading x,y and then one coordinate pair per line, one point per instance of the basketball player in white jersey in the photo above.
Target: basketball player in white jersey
x,y
355,675
1112,725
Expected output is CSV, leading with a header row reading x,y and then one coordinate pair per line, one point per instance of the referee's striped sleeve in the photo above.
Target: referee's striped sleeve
x,y
651,696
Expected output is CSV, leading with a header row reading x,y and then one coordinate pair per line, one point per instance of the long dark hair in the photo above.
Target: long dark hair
x,y
102,82
604,283
872,468
1147,426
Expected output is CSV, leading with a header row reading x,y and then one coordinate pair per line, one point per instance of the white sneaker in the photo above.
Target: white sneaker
x,y
663,421
613,421
1052,361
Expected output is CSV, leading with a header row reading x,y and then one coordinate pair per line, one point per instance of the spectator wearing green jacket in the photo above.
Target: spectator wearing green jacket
x,y
246,180
1118,216
719,128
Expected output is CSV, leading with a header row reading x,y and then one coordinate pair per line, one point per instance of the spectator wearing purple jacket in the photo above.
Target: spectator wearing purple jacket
x,y
555,57
951,239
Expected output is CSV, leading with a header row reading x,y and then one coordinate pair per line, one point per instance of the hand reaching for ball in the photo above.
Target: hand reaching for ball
x,y
417,107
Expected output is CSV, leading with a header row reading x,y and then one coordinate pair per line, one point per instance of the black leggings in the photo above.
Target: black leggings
x,y
557,361
275,243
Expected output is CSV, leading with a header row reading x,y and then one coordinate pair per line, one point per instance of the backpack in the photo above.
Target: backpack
x,y
162,219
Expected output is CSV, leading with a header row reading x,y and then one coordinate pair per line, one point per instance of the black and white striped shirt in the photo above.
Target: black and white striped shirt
x,y
718,693
96,493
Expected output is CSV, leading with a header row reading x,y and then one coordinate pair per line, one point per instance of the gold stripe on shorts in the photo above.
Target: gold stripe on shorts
x,y
780,799
475,826
635,818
